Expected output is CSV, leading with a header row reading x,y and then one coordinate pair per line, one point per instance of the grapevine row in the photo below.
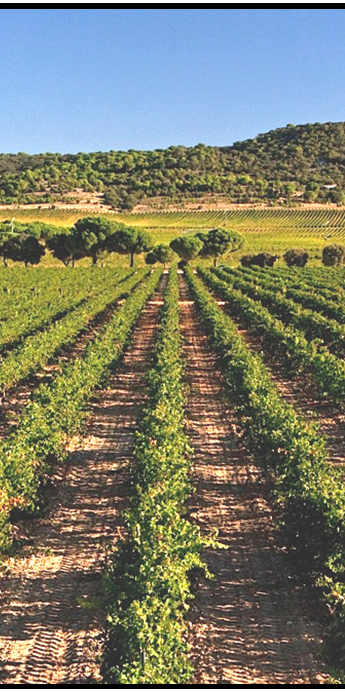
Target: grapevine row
x,y
327,371
59,409
48,308
36,350
310,497
148,581
312,324
319,300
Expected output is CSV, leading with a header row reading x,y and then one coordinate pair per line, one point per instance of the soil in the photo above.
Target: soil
x,y
14,400
252,624
52,614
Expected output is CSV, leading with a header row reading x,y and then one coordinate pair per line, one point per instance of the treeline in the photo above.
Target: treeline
x,y
93,237
96,237
304,163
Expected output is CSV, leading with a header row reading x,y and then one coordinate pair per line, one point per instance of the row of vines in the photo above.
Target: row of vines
x,y
261,218
59,407
308,493
148,579
147,582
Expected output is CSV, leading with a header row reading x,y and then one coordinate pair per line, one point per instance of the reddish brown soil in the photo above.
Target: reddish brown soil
x,y
298,390
251,625
52,618
14,400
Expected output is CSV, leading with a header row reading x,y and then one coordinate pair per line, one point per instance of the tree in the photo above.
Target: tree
x,y
160,253
112,196
333,255
64,247
130,241
187,246
22,248
9,248
246,260
219,241
296,257
91,235
128,202
263,259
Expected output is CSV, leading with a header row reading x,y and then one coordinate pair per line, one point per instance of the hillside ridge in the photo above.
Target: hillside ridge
x,y
293,164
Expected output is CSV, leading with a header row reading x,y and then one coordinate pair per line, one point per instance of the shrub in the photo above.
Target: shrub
x,y
333,254
246,260
296,257
263,259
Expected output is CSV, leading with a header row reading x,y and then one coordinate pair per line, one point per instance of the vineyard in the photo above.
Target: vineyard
x,y
273,229
171,465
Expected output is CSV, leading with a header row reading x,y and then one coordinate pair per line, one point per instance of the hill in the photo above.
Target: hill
x,y
303,163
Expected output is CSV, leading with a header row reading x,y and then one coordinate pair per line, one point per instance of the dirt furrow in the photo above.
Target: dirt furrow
x,y
298,389
250,625
52,619
14,401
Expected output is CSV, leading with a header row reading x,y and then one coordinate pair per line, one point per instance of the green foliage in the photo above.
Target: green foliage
x,y
91,236
187,246
284,165
130,241
22,248
333,254
219,241
59,409
147,581
290,344
246,260
65,247
273,294
160,253
37,349
296,257
309,494
263,259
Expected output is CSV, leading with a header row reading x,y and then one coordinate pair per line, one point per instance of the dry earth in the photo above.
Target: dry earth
x,y
251,625
52,619
93,202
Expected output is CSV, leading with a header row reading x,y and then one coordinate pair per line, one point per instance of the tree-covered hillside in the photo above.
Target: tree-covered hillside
x,y
304,163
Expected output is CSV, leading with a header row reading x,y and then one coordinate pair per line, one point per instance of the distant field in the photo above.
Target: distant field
x,y
272,229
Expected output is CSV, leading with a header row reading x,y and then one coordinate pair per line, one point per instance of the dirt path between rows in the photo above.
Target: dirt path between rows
x,y
14,401
52,622
251,625
298,390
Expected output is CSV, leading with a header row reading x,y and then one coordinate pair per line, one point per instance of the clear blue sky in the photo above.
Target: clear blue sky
x,y
99,79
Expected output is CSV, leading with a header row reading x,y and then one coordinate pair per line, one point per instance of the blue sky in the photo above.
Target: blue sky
x,y
99,79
